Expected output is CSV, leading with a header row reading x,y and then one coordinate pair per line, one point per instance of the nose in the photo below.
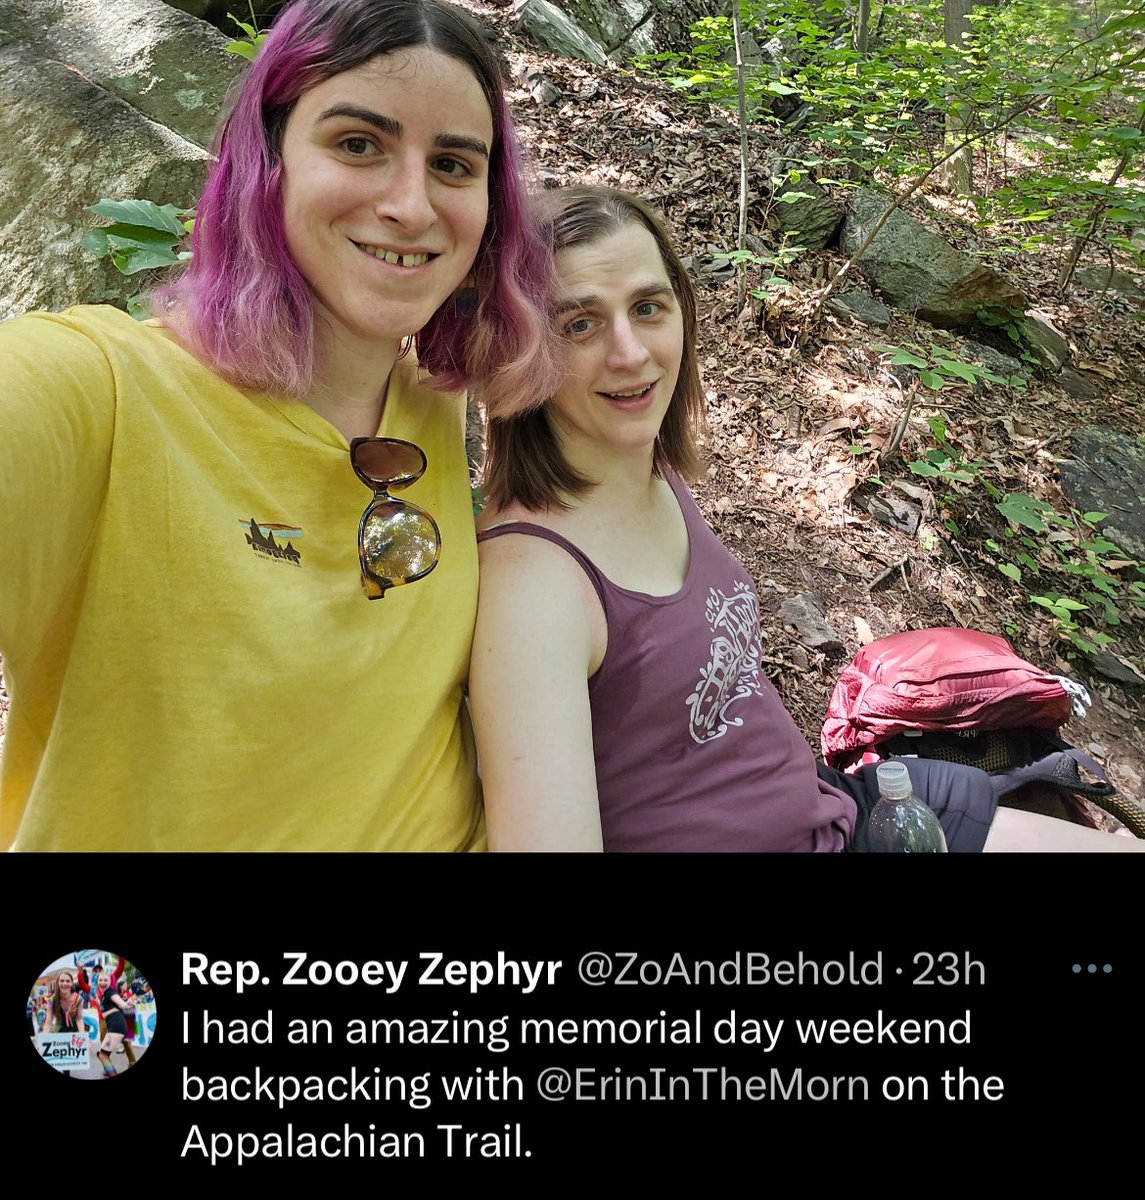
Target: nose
x,y
626,350
405,198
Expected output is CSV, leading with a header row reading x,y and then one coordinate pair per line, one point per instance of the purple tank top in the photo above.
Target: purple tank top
x,y
694,749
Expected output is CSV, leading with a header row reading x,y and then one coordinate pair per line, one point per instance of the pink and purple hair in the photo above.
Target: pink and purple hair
x,y
242,304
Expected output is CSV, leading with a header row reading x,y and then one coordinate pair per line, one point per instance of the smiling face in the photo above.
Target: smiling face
x,y
624,338
66,983
385,191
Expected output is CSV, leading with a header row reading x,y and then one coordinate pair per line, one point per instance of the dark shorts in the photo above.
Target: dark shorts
x,y
115,1022
962,798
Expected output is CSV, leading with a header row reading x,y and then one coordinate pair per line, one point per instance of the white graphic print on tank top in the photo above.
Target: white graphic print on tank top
x,y
733,667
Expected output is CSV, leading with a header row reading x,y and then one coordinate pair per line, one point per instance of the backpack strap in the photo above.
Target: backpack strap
x,y
1058,767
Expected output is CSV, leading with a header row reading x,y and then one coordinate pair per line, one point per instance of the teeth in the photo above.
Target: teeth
x,y
390,256
628,395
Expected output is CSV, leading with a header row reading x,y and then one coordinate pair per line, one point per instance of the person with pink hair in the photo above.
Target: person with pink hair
x,y
185,537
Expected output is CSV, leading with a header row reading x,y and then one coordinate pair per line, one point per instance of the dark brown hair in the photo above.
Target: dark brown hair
x,y
523,461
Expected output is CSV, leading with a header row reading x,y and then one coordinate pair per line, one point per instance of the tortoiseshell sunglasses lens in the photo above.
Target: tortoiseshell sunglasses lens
x,y
398,542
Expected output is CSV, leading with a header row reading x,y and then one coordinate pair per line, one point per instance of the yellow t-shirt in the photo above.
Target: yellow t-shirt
x,y
175,683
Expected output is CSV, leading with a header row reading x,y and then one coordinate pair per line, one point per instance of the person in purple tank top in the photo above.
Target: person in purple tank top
x,y
618,694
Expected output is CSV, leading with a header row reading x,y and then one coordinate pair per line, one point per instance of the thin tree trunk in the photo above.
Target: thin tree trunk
x,y
1095,216
862,27
741,98
958,174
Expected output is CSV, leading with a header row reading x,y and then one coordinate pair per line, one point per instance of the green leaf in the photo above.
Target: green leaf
x,y
1092,518
95,242
904,358
1025,511
924,469
1010,571
131,260
137,237
140,212
243,49
931,380
960,370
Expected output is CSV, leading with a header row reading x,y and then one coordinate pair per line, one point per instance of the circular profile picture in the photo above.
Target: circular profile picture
x,y
91,1015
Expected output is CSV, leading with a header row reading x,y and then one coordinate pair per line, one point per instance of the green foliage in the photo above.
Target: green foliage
x,y
251,42
939,369
1052,79
1078,571
946,463
142,236
784,255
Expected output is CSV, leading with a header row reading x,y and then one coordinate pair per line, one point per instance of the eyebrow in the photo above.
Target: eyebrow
x,y
642,293
395,129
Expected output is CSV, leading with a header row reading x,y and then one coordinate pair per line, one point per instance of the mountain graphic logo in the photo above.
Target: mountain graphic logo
x,y
273,540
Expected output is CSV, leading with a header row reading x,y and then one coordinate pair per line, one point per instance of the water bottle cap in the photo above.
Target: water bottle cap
x,y
894,780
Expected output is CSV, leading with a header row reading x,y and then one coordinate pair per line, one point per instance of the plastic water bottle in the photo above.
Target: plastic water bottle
x,y
900,822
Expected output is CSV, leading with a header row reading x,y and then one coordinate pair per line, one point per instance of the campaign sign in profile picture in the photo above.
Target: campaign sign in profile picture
x,y
91,1014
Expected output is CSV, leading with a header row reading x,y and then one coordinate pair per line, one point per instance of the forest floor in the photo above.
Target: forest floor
x,y
782,480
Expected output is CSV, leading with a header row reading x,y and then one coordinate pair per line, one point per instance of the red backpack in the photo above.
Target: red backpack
x,y
965,696
938,680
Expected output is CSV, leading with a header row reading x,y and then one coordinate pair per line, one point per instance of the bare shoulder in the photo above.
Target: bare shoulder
x,y
530,585
540,636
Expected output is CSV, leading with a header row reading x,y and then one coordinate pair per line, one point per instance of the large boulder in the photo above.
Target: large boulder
x,y
1107,475
919,272
667,27
1109,279
556,31
612,24
98,98
168,65
70,143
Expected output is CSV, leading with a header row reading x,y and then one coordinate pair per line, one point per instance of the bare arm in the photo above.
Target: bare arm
x,y
540,633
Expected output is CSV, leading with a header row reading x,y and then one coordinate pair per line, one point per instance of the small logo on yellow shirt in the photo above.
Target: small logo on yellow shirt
x,y
261,537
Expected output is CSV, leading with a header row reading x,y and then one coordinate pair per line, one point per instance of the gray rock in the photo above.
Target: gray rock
x,y
898,514
1106,279
169,66
862,307
70,142
1081,387
1109,478
1114,667
542,89
804,614
812,220
610,22
1043,341
919,272
991,359
551,28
